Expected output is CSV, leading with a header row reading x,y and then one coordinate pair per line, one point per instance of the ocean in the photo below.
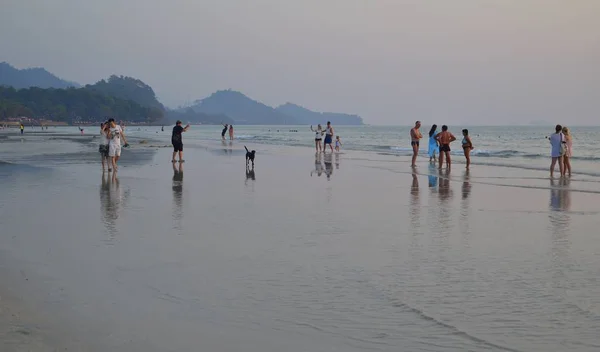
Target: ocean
x,y
524,147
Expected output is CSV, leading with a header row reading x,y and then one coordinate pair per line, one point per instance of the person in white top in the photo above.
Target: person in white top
x,y
115,134
558,150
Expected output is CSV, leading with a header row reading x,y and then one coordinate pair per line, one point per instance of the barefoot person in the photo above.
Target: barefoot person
x,y
433,144
415,136
338,143
569,153
318,137
467,146
177,140
230,132
114,146
445,138
103,147
328,137
558,150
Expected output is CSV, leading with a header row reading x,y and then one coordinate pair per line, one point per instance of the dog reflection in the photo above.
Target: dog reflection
x,y
250,175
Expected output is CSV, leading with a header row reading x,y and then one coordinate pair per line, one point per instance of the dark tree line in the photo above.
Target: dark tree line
x,y
72,104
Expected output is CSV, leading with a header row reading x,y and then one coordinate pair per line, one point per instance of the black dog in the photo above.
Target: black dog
x,y
250,156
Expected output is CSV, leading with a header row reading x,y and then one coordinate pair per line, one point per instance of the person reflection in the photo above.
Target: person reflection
x,y
110,201
318,165
328,166
414,201
337,161
177,190
560,204
466,186
227,147
444,190
432,177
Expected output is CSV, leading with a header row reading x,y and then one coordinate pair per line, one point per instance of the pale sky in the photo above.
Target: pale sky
x,y
390,61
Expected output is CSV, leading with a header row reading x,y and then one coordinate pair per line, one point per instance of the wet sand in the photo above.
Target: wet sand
x,y
341,253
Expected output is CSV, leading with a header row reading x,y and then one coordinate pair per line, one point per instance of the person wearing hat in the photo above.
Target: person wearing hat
x,y
177,141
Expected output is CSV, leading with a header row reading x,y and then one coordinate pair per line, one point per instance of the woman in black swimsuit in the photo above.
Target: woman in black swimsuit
x,y
224,130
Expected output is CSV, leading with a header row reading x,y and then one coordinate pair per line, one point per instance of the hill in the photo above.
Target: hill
x,y
30,77
127,88
72,105
241,109
308,117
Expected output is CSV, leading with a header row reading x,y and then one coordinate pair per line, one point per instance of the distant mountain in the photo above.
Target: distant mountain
x,y
31,77
188,115
127,88
308,117
241,109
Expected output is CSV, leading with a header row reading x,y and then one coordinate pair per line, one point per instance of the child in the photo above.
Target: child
x,y
338,143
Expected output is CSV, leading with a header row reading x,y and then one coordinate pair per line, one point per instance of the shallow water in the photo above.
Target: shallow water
x,y
348,252
523,147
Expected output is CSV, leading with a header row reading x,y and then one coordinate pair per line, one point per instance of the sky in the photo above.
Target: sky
x,y
468,62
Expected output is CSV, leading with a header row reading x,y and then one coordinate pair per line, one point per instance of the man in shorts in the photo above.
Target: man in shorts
x,y
415,137
115,134
177,140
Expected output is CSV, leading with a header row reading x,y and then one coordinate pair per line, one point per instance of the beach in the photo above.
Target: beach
x,y
346,252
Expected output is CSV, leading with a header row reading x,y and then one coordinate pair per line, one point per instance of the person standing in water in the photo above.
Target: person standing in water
x,y
467,146
328,137
22,128
103,148
415,136
433,144
226,126
445,138
558,150
569,153
177,140
114,147
318,137
230,132
338,143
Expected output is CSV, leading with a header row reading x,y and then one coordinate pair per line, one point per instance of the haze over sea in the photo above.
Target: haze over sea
x,y
307,252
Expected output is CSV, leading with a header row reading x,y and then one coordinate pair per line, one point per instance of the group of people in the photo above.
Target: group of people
x,y
110,145
439,143
561,143
227,127
329,133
